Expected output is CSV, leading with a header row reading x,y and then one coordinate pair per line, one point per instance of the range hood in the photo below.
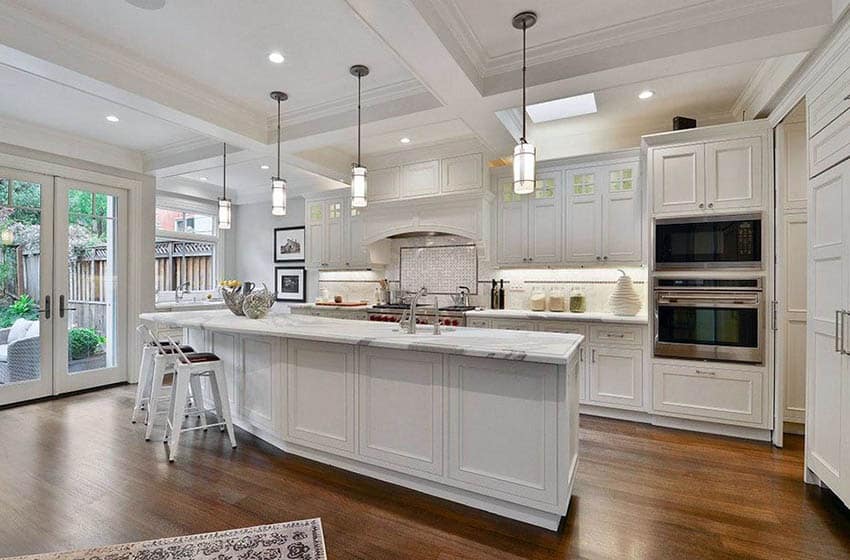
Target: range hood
x,y
411,234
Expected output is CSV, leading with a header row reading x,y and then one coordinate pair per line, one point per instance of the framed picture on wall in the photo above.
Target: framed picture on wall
x,y
289,244
290,283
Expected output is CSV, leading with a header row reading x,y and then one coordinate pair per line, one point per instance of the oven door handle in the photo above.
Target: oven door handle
x,y
742,299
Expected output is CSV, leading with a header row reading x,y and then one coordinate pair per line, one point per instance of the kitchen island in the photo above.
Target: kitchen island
x,y
483,417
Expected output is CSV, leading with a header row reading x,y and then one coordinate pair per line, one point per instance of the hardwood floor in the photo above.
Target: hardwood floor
x,y
74,473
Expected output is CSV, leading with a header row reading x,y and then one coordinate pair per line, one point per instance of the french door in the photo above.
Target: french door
x,y
62,289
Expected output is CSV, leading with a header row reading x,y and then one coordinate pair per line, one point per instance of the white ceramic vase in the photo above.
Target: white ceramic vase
x,y
624,300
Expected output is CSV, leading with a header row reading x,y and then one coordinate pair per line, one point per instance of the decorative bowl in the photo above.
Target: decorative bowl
x,y
256,305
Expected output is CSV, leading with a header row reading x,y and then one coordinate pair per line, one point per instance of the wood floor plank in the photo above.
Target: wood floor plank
x,y
75,473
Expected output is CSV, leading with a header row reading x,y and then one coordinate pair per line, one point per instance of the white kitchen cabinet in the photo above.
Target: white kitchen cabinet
x,y
490,449
530,225
325,232
461,173
709,393
320,390
514,324
479,323
707,177
420,179
572,328
260,377
678,178
603,214
384,184
733,174
615,376
356,253
401,408
828,346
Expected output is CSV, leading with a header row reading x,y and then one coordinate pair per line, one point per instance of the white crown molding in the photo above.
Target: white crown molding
x,y
768,78
189,144
26,30
704,13
371,97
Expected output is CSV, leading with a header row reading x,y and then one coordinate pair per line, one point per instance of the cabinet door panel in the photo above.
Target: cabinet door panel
x,y
616,376
315,233
733,174
512,225
420,179
334,232
357,254
621,215
384,184
401,408
544,217
260,395
225,347
462,173
503,426
678,178
320,394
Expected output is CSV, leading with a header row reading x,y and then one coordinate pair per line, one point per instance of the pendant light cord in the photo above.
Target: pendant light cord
x,y
359,77
278,138
224,172
522,140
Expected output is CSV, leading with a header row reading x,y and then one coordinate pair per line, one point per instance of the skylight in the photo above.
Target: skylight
x,y
562,108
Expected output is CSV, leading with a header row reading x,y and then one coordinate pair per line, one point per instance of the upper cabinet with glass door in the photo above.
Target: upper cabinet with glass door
x,y
529,226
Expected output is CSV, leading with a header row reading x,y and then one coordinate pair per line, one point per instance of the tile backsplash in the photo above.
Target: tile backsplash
x,y
597,283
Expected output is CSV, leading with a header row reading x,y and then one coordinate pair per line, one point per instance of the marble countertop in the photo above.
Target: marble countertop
x,y
330,307
190,304
551,348
557,316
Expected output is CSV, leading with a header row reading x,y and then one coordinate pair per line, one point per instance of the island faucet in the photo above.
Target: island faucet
x,y
181,290
410,324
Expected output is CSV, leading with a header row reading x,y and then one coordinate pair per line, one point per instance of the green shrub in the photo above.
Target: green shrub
x,y
83,343
24,307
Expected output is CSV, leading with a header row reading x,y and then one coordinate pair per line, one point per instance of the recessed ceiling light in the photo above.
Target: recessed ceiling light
x,y
562,108
203,178
276,57
405,140
112,118
264,167
646,94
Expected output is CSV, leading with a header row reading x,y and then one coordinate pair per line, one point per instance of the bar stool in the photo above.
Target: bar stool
x,y
143,390
197,366
164,357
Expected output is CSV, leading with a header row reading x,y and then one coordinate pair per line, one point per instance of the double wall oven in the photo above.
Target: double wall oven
x,y
717,310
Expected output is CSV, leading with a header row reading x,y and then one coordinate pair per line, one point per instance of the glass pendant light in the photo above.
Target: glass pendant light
x,y
358,171
224,206
278,184
524,152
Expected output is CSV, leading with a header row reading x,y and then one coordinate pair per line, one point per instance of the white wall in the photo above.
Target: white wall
x,y
253,228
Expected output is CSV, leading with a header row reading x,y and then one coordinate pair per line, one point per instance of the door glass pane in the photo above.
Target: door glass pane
x,y
20,290
92,275
712,326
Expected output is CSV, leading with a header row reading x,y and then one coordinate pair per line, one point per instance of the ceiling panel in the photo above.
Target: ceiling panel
x,y
224,45
35,100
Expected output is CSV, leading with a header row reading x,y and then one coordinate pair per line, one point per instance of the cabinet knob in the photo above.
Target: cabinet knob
x,y
598,258
701,205
524,259
711,205
605,258
530,259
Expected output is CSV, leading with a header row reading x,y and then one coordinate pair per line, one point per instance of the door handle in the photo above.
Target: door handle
x,y
843,350
46,309
62,308
839,319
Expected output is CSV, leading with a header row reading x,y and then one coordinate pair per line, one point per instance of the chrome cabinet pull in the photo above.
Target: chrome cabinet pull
x,y
593,356
839,318
581,354
705,372
843,350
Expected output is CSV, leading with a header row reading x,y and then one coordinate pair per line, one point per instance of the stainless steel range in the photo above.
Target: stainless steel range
x,y
452,316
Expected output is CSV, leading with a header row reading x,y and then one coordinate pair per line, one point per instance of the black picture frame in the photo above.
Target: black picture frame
x,y
282,247
284,289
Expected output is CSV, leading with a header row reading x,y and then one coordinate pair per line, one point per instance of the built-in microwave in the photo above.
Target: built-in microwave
x,y
713,242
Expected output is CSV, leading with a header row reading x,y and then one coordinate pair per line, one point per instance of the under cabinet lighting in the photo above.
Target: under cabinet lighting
x,y
405,140
276,57
646,94
112,118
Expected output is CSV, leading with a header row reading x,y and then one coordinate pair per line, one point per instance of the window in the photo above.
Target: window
x,y
186,243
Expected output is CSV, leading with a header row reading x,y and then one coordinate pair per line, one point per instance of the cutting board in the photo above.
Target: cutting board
x,y
342,304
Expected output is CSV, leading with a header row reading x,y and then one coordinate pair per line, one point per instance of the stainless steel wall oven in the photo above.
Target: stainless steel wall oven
x,y
710,319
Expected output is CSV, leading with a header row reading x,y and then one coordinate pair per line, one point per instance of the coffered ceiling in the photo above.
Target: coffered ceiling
x,y
192,75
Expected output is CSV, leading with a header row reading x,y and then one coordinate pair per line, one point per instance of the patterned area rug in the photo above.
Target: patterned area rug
x,y
297,540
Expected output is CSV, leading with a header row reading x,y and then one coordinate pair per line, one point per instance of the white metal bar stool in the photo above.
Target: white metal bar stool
x,y
165,358
197,365
146,370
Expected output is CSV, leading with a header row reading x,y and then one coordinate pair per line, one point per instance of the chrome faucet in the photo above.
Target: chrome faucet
x,y
180,291
409,324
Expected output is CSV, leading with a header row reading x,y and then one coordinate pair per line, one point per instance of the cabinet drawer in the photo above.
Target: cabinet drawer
x,y
616,334
830,146
562,327
708,393
479,323
514,324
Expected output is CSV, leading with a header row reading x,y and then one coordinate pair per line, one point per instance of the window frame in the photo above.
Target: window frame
x,y
189,206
